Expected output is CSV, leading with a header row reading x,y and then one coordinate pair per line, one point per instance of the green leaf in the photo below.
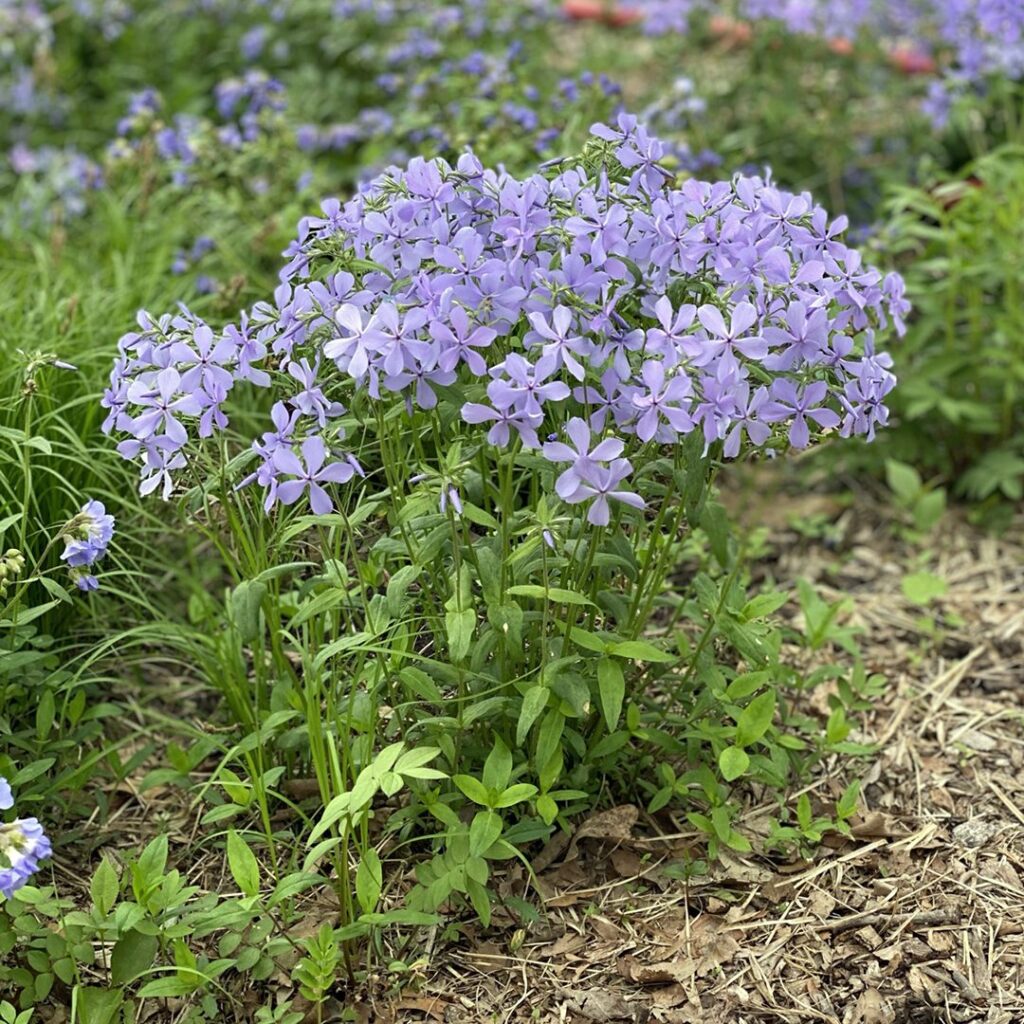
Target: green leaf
x,y
415,758
587,640
804,814
45,711
32,771
549,737
733,762
535,700
417,681
30,614
556,594
399,586
715,524
641,650
8,521
547,809
98,1005
516,794
929,509
481,901
762,605
133,954
55,589
245,603
150,865
746,684
319,605
754,720
40,444
104,887
168,988
498,766
903,480
837,728
922,588
484,831
721,822
846,806
242,863
477,515
612,690
369,880
473,788
739,843
459,627
507,619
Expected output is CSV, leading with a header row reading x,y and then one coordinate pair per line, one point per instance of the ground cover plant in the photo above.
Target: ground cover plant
x,y
387,409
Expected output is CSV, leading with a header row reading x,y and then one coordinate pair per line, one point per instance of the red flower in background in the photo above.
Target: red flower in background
x,y
731,31
598,10
912,62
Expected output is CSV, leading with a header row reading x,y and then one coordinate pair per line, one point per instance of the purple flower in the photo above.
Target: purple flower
x,y
584,459
523,386
424,374
310,400
393,337
248,350
748,409
23,844
458,339
671,341
352,351
505,420
863,400
158,464
563,344
800,404
450,495
664,405
600,485
605,227
803,339
724,342
617,349
564,297
87,536
310,474
165,404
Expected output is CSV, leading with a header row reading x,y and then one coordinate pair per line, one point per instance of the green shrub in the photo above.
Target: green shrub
x,y
959,410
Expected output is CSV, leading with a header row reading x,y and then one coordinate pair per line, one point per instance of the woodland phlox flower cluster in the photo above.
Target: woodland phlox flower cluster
x,y
597,314
23,844
419,74
87,536
248,109
55,184
109,17
434,65
26,38
28,33
172,377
